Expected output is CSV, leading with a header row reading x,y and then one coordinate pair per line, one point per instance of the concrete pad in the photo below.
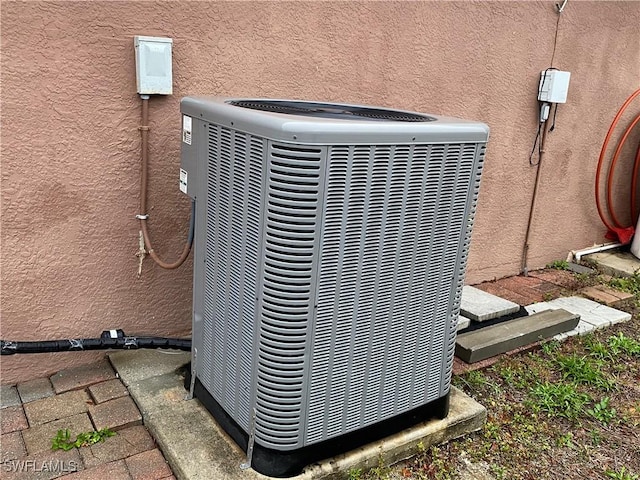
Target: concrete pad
x,y
588,310
577,268
463,323
502,337
197,448
581,329
616,263
149,363
540,307
598,315
480,306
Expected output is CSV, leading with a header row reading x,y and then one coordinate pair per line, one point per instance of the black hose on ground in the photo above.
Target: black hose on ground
x,y
110,339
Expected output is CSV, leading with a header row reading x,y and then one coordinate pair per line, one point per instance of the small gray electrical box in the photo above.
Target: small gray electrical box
x,y
153,65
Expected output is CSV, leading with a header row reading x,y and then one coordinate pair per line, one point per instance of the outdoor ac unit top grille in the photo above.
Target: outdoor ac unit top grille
x,y
328,110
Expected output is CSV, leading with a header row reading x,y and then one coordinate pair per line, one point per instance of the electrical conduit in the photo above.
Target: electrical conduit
x,y
144,130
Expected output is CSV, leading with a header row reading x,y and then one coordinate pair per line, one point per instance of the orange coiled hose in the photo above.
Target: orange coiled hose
x,y
615,225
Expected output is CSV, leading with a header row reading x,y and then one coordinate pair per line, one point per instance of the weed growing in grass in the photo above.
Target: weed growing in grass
x,y
621,474
596,437
439,468
499,471
381,471
354,474
477,381
596,348
621,344
549,348
559,265
602,411
584,370
562,399
565,440
627,284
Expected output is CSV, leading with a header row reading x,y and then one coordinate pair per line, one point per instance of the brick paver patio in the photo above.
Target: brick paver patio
x,y
80,399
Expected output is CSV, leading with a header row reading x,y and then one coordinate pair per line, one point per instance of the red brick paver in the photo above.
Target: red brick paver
x,y
606,295
149,465
89,398
35,390
562,278
12,419
60,406
127,442
82,376
38,438
115,414
109,390
107,471
12,446
523,290
42,466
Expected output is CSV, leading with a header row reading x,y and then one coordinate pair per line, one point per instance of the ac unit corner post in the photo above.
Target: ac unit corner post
x,y
330,249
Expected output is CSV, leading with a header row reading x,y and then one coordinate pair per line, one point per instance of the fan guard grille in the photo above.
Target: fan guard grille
x,y
328,110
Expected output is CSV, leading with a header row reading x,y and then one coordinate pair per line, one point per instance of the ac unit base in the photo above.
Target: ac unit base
x,y
276,463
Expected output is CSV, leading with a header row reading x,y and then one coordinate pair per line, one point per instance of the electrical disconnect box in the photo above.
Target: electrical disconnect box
x,y
153,65
554,85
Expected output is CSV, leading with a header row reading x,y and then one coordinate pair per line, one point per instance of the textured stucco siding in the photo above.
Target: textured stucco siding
x,y
70,144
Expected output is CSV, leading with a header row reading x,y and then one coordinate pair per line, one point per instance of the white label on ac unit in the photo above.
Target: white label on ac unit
x,y
186,129
183,181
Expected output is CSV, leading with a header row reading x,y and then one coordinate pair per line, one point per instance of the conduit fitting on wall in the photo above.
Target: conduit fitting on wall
x,y
145,245
110,339
617,231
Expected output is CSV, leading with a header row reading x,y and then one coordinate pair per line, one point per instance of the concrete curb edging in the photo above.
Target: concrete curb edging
x,y
197,448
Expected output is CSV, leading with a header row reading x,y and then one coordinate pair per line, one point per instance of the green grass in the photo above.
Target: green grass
x,y
559,265
559,400
627,284
603,412
621,474
549,410
622,345
584,370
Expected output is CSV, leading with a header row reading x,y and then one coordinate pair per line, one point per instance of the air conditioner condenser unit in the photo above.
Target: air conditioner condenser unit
x,y
330,249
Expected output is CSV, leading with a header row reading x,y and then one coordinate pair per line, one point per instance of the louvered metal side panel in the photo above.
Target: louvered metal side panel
x,y
234,202
393,230
290,244
476,154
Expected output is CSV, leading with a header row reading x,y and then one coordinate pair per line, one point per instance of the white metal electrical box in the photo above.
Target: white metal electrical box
x,y
153,65
554,85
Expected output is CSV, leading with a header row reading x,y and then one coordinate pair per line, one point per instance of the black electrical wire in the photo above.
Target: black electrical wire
x,y
110,339
555,114
533,149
